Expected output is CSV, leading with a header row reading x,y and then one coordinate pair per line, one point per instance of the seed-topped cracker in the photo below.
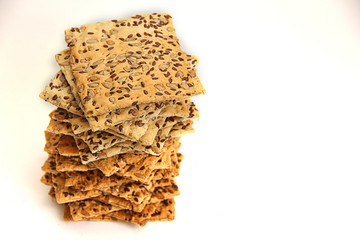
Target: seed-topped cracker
x,y
58,93
181,108
62,59
160,211
78,123
129,61
66,164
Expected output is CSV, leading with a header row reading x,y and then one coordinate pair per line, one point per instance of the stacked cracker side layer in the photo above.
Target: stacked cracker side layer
x,y
123,102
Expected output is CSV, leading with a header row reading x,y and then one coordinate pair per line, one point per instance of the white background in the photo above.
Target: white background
x,y
276,152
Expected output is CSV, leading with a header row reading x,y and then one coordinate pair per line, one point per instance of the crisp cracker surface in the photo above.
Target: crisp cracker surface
x,y
129,61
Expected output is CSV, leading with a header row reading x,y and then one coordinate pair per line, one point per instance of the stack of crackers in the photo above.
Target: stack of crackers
x,y
123,103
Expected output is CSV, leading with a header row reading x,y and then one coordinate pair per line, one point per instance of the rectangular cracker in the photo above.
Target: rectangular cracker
x,y
65,194
50,164
134,192
66,164
87,156
100,140
59,127
180,108
92,179
137,160
58,93
70,146
57,163
100,206
47,179
96,141
123,147
146,51
176,159
181,128
162,211
120,202
95,180
68,194
90,208
67,146
52,193
51,142
121,187
131,130
119,165
146,175
78,123
119,115
62,59
163,186
60,144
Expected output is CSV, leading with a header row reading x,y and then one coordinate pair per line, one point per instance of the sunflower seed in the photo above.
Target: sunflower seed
x,y
121,56
93,78
159,87
93,85
64,64
192,73
127,69
171,85
112,56
105,72
184,86
137,87
163,67
145,68
90,41
136,55
91,93
81,88
107,85
112,64
110,42
135,74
